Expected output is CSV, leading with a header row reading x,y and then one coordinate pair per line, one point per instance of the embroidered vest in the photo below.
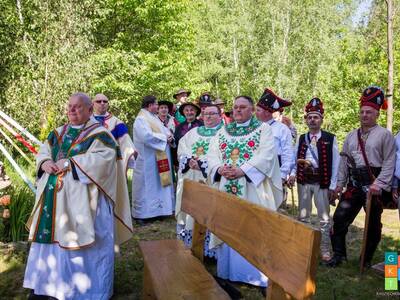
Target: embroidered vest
x,y
324,147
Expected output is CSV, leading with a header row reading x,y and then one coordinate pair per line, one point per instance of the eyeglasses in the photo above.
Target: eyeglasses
x,y
101,101
211,114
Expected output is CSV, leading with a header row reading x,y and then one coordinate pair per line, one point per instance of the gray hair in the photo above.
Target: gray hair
x,y
83,97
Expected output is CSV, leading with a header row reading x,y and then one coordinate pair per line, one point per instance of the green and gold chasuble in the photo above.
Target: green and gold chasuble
x,y
45,231
64,210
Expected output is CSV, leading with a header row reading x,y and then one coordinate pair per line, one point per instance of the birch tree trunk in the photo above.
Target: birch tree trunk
x,y
389,92
236,64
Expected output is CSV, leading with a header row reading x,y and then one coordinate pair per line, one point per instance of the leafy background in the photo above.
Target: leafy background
x,y
127,49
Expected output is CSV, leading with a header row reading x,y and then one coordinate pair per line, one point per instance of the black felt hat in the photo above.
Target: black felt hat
x,y
167,103
374,97
271,102
205,99
315,106
198,110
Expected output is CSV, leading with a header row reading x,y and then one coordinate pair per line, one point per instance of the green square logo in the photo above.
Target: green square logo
x,y
391,284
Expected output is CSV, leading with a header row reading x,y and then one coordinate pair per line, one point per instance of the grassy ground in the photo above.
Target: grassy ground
x,y
340,283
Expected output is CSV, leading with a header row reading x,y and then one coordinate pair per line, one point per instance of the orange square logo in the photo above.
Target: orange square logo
x,y
390,271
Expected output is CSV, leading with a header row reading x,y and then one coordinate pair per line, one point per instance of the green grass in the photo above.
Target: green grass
x,y
12,266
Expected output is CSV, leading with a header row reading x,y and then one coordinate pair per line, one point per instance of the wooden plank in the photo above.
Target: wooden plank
x,y
275,292
176,274
282,248
198,240
148,292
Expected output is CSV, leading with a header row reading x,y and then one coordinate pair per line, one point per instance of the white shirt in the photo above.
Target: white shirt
x,y
283,146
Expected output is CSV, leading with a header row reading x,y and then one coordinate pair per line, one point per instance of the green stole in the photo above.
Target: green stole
x,y
45,229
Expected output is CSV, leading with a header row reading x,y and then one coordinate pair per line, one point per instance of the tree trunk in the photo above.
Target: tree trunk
x,y
389,92
43,119
236,64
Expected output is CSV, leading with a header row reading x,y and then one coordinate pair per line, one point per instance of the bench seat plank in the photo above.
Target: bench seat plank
x,y
176,274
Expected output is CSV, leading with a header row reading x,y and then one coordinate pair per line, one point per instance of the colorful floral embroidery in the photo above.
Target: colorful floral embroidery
x,y
235,130
204,131
200,148
237,151
233,187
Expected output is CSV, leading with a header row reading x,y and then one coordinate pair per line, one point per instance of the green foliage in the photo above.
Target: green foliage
x,y
22,200
13,228
129,48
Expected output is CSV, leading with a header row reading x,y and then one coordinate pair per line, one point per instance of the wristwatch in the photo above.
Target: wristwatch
x,y
66,164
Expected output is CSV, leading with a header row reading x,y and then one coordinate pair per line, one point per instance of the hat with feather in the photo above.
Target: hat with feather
x,y
271,102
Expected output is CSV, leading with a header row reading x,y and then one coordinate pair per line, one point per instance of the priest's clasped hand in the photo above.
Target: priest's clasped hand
x,y
170,139
230,172
193,164
63,165
50,167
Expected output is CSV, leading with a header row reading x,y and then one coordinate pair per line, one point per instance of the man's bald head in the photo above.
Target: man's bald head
x,y
79,108
82,97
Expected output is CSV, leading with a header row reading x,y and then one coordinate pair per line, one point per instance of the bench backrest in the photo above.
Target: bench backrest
x,y
285,250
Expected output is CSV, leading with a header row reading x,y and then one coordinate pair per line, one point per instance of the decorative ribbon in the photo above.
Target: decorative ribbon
x,y
161,156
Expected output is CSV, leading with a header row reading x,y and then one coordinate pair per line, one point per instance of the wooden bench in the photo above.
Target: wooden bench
x,y
282,248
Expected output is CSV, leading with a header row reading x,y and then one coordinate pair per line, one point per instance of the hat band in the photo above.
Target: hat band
x,y
268,108
370,104
314,112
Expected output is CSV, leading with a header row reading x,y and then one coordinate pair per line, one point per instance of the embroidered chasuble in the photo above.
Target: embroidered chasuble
x,y
194,144
247,147
251,148
64,210
121,134
44,232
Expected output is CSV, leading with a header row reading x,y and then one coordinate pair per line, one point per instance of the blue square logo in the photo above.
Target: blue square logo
x,y
391,258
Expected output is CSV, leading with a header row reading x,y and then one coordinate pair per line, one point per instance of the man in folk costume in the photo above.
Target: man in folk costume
x,y
152,188
191,111
192,153
118,129
367,166
165,109
266,106
203,101
81,211
181,97
317,158
242,160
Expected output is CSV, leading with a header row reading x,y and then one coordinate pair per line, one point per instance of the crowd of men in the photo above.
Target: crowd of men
x,y
83,212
